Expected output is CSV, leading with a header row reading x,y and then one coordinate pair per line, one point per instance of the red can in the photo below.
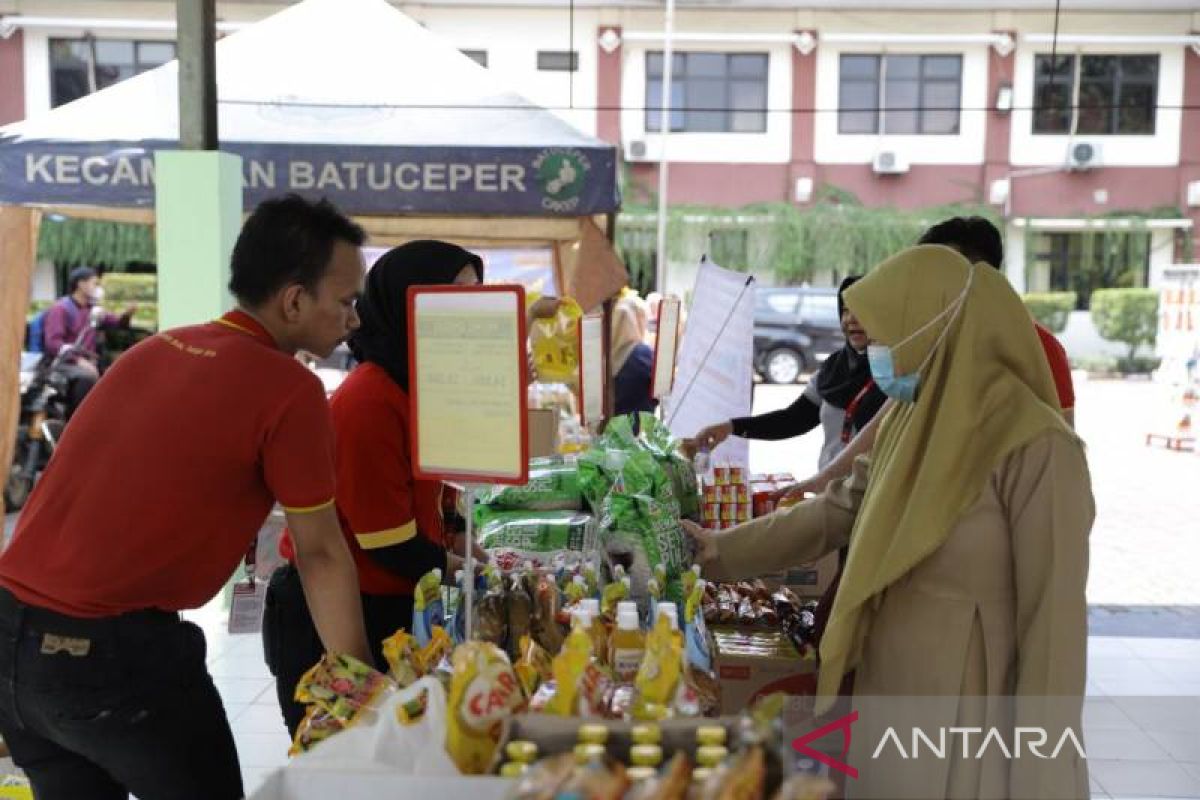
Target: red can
x,y
729,512
721,476
737,475
712,512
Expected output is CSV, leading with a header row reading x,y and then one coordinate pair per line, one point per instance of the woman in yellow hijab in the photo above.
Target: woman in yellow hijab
x,y
968,534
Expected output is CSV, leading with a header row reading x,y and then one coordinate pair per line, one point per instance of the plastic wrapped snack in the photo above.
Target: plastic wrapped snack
x,y
491,612
582,687
553,485
520,617
513,538
400,651
555,343
534,666
483,692
658,679
342,686
428,611
317,726
436,650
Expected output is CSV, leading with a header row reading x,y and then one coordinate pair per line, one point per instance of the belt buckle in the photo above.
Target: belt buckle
x,y
52,644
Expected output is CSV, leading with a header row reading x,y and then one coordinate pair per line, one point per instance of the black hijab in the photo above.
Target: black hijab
x,y
843,375
382,336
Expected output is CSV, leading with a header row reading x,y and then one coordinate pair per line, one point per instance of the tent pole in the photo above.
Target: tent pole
x,y
196,23
18,251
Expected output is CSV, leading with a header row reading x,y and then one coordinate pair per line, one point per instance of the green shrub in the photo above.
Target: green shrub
x,y
1052,309
1126,315
125,288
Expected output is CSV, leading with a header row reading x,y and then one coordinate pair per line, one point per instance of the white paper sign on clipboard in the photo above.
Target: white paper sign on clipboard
x,y
591,369
666,347
467,383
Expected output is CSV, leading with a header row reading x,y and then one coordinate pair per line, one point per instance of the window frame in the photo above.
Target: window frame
x,y
546,61
880,83
679,107
92,65
1075,66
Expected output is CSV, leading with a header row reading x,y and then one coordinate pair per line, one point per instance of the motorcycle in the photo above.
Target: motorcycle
x,y
44,403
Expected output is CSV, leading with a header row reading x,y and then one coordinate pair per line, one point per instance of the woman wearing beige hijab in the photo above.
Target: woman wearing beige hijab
x,y
632,358
968,535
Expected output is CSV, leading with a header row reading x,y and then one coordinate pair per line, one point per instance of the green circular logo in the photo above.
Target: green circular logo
x,y
561,175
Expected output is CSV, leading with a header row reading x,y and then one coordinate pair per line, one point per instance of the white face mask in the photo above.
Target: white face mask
x,y
97,295
883,366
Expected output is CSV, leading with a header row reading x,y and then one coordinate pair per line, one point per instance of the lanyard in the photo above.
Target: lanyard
x,y
848,419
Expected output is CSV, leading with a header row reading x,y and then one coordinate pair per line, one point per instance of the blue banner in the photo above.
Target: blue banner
x,y
518,181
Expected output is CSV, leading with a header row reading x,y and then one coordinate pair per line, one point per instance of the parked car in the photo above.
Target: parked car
x,y
794,329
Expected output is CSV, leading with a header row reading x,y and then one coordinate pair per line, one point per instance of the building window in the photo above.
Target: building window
x,y
899,95
1095,95
710,92
1085,262
478,56
79,67
558,61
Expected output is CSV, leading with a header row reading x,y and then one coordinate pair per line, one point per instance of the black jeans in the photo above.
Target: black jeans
x,y
100,708
291,645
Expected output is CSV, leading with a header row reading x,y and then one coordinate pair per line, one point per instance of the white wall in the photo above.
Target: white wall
x,y
512,38
967,147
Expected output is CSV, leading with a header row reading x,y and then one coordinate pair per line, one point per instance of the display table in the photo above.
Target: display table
x,y
312,782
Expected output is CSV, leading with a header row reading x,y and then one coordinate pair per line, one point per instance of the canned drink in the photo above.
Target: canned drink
x,y
737,475
729,512
712,512
743,512
711,493
743,493
762,504
721,475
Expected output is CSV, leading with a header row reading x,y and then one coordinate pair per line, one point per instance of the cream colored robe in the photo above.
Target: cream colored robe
x,y
999,610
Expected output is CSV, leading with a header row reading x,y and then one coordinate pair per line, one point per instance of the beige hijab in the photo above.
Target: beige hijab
x,y
985,389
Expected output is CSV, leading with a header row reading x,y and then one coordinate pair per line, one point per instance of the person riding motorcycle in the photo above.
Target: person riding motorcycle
x,y
69,321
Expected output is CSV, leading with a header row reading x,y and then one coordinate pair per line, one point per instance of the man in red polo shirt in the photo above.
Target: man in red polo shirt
x,y
978,240
160,483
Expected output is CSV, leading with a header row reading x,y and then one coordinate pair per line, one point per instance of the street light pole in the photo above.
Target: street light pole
x,y
196,29
660,278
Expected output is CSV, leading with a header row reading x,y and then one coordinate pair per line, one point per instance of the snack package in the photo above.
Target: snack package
x,y
428,611
612,594
412,711
533,667
671,782
553,485
342,686
317,726
599,778
704,690
515,537
520,617
742,777
582,687
483,692
544,625
658,679
555,343
805,787
491,611
435,651
400,651
543,780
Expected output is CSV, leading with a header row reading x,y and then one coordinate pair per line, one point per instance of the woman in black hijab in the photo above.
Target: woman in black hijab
x,y
392,522
841,398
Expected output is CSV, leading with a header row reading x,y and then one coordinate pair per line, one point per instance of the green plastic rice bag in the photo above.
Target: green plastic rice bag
x,y
513,538
553,485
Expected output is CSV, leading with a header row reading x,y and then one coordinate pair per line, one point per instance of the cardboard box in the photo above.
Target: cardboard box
x,y
753,662
543,432
808,580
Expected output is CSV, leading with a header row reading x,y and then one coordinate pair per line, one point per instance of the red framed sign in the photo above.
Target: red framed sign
x,y
591,368
666,347
467,383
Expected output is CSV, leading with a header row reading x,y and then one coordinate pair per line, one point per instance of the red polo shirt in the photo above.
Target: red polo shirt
x,y
379,502
168,470
1060,367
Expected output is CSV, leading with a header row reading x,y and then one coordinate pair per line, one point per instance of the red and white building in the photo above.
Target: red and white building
x,y
906,103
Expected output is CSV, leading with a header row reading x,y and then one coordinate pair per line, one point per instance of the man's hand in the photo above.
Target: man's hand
x,y
704,539
459,548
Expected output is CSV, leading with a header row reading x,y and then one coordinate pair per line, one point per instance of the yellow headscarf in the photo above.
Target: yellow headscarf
x,y
985,391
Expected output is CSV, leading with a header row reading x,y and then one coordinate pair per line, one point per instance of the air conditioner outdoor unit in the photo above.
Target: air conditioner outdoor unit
x,y
635,150
1083,155
889,162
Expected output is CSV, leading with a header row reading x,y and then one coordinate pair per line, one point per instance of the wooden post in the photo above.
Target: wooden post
x,y
18,252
